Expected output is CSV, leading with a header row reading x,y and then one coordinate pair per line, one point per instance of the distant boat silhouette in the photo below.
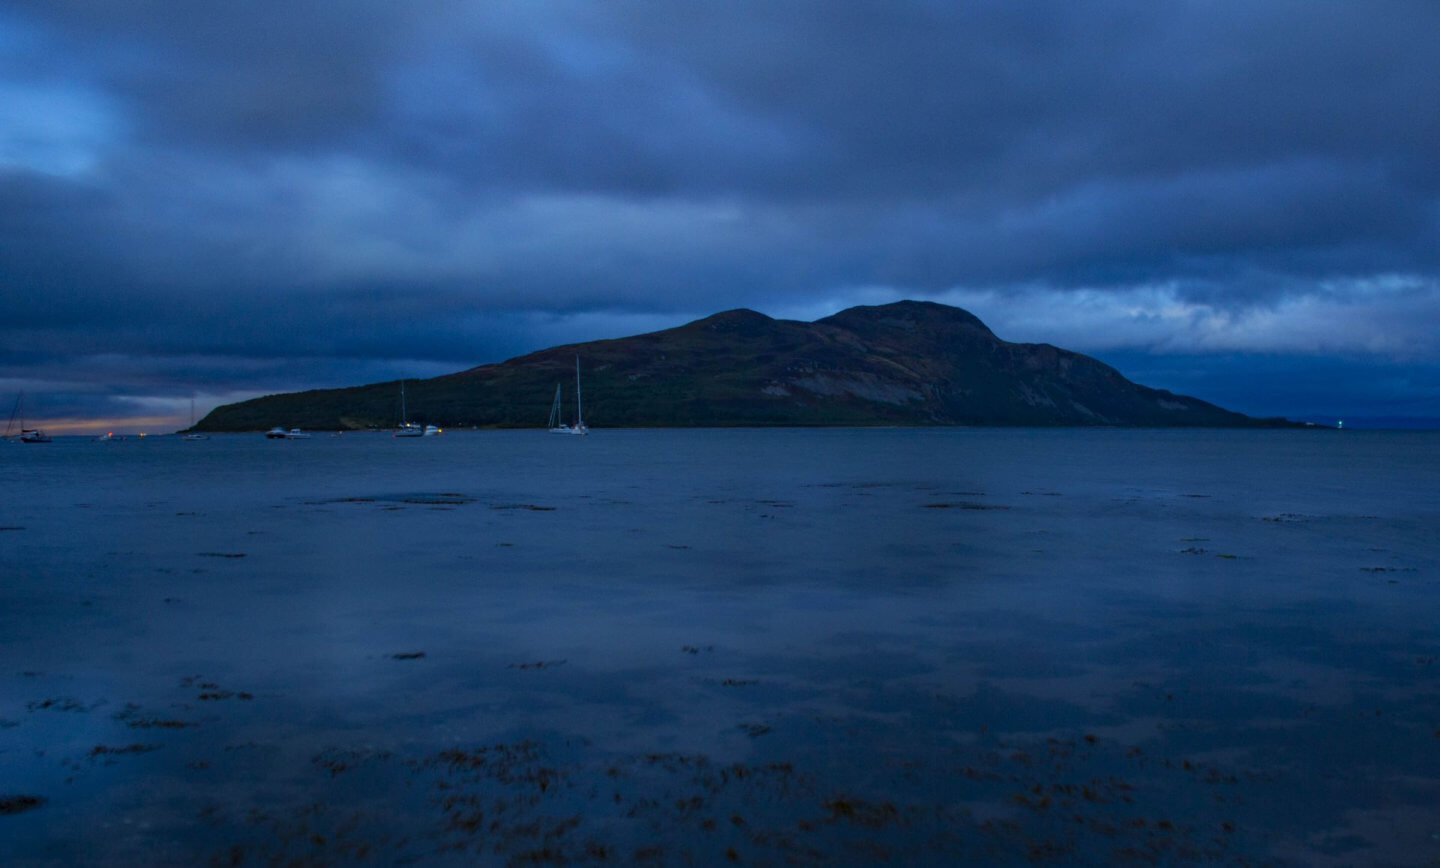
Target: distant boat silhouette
x,y
408,428
556,425
194,435
27,435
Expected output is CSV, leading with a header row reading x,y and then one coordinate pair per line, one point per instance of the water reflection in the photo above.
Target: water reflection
x,y
819,646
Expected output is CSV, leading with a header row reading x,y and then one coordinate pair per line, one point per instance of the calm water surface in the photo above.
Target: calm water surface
x,y
820,646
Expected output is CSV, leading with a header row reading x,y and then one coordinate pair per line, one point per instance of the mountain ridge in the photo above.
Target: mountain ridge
x,y
905,363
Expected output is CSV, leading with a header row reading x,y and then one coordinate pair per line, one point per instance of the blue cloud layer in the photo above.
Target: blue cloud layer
x,y
278,195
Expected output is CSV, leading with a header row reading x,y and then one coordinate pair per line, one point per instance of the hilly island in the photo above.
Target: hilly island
x,y
907,363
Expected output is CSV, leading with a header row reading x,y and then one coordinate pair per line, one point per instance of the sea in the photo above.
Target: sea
x,y
758,646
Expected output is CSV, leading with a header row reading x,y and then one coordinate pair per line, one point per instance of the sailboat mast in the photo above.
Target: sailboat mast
x,y
579,415
404,416
16,409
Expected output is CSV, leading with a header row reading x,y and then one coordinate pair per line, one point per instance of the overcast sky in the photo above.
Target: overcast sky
x,y
1239,201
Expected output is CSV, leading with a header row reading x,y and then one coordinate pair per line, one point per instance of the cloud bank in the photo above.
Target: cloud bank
x,y
233,200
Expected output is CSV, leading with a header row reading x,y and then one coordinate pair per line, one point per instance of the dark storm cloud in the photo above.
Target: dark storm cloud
x,y
264,74
287,189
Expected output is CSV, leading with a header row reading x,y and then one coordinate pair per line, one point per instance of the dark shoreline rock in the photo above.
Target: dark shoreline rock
x,y
19,804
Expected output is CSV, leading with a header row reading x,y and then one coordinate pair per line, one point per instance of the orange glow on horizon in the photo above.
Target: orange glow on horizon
x,y
128,425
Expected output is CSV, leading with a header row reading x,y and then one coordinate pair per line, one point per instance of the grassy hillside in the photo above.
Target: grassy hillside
x,y
908,363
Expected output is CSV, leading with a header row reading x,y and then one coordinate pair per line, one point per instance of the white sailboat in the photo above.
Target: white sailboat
x,y
556,425
193,435
408,428
27,435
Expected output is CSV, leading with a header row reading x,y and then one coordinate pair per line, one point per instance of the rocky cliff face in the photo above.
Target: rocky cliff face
x,y
908,363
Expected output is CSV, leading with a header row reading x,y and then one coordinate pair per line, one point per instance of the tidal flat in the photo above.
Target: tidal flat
x,y
814,646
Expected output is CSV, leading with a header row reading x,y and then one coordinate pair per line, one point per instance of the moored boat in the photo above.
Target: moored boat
x,y
193,434
412,429
556,425
26,435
